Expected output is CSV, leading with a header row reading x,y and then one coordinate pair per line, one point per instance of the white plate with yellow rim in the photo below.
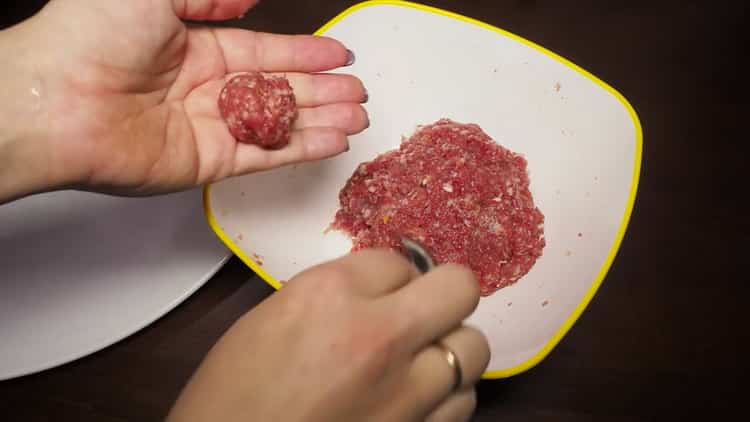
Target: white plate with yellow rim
x,y
581,138
80,271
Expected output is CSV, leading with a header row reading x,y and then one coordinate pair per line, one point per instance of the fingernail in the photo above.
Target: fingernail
x,y
367,96
350,57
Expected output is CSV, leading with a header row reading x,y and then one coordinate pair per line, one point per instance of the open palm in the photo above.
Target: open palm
x,y
132,100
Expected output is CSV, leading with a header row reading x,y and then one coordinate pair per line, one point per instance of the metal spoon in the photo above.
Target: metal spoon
x,y
418,255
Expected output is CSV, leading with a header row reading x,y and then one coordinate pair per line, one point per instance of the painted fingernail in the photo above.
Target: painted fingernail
x,y
350,57
366,97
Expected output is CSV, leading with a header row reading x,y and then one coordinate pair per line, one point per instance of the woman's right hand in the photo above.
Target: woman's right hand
x,y
355,339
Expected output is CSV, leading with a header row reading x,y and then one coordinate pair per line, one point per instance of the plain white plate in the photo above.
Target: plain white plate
x,y
581,138
80,271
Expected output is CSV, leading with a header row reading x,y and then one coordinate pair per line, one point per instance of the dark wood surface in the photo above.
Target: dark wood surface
x,y
666,336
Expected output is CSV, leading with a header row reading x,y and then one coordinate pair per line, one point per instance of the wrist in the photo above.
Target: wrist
x,y
25,162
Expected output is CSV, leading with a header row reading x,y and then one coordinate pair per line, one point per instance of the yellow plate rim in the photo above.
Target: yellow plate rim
x,y
571,320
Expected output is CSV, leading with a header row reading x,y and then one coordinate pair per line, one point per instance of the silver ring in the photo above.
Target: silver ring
x,y
453,362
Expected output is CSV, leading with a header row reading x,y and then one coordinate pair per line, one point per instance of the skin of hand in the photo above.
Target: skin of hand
x,y
121,97
350,340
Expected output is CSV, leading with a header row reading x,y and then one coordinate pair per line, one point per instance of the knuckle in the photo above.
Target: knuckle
x,y
390,331
401,327
323,284
373,347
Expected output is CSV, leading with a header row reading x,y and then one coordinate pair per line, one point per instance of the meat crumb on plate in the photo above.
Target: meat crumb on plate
x,y
456,191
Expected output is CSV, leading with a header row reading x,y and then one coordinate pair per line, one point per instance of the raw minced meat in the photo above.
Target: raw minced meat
x,y
259,110
464,197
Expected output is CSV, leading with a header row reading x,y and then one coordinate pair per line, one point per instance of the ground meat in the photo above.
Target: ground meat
x,y
451,187
259,110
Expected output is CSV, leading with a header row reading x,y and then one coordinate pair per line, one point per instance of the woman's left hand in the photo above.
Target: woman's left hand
x,y
122,95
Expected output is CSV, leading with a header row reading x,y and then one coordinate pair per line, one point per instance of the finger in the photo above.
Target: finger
x,y
437,302
321,89
431,376
459,407
376,272
247,50
211,9
308,144
348,117
314,90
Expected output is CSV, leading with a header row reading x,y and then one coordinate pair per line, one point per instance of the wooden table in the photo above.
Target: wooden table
x,y
663,338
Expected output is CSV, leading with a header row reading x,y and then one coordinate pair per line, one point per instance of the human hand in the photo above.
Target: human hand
x,y
126,94
350,340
